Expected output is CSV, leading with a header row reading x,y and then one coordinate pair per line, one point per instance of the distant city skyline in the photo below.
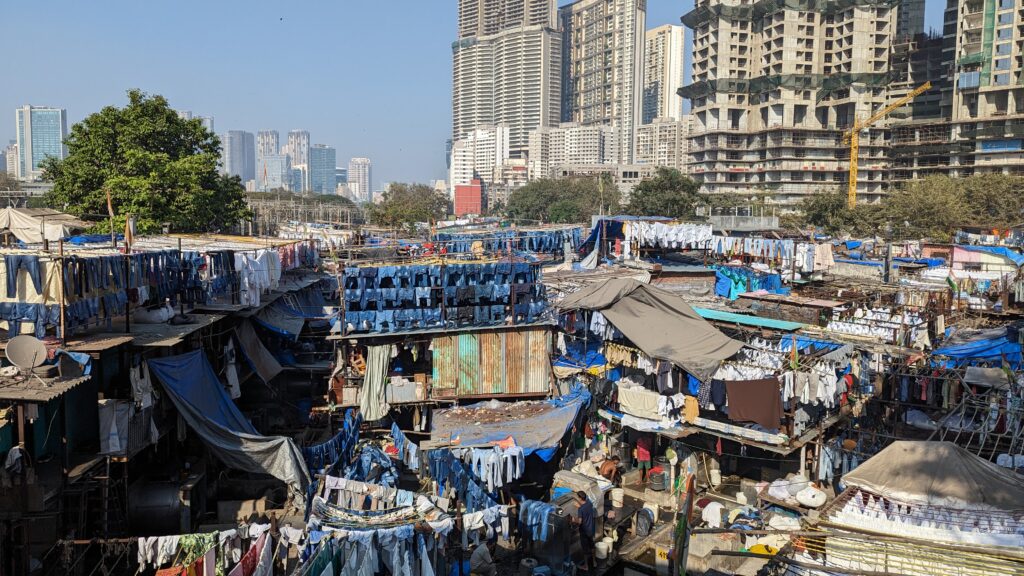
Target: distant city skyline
x,y
398,115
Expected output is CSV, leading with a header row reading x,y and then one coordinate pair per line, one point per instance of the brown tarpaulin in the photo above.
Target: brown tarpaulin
x,y
659,323
938,474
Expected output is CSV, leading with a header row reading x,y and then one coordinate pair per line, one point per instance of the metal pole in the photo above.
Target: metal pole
x,y
60,276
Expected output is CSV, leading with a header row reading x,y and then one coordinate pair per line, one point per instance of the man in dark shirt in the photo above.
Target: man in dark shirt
x,y
588,527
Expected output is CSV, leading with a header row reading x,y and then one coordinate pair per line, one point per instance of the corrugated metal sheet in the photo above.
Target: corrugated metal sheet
x,y
446,366
515,361
469,364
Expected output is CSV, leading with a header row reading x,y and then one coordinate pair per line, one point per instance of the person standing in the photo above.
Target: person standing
x,y
643,454
588,528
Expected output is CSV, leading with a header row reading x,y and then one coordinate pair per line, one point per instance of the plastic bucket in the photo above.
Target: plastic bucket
x,y
601,550
618,495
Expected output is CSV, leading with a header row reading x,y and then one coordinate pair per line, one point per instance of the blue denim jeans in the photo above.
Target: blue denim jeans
x,y
30,263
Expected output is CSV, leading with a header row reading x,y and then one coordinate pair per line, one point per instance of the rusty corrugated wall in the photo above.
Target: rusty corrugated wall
x,y
516,361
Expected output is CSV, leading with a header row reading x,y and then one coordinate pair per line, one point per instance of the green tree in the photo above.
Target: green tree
x,y
826,210
9,182
405,204
994,200
930,208
566,200
154,164
669,193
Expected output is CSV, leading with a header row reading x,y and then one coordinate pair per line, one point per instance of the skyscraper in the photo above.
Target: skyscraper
x,y
663,73
298,147
322,179
910,19
238,154
773,89
40,132
506,68
267,142
665,143
360,179
602,66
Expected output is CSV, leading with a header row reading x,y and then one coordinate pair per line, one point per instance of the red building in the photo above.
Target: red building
x,y
469,198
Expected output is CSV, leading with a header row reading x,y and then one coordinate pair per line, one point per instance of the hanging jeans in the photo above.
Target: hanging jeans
x,y
15,262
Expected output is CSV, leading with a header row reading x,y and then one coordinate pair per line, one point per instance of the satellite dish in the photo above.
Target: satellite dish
x,y
26,352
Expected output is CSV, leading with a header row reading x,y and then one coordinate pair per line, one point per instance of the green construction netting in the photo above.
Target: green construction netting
x,y
987,32
825,83
751,12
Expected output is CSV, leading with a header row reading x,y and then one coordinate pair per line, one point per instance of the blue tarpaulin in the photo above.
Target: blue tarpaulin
x,y
537,427
984,346
191,378
1016,257
852,244
804,342
200,398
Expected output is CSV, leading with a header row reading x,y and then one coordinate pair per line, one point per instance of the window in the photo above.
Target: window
x,y
1002,64
1006,18
1005,4
1001,79
1003,49
1005,33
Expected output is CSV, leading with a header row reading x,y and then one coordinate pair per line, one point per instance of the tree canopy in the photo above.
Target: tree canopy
x,y
562,201
8,181
933,207
405,204
669,193
154,164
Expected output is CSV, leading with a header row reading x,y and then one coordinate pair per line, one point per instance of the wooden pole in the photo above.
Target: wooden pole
x,y
60,280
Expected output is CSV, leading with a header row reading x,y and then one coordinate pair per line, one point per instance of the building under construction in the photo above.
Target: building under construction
x,y
775,85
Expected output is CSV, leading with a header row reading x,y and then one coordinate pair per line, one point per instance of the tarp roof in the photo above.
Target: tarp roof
x,y
33,225
1016,257
658,322
199,396
537,427
939,474
990,346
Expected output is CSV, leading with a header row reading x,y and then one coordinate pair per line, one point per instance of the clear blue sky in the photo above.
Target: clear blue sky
x,y
369,77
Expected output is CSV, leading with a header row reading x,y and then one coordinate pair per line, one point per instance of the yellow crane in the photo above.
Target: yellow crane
x,y
853,135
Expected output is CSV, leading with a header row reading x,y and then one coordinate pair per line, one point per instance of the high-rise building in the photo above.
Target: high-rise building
x,y
12,160
663,73
206,121
602,66
665,143
979,128
571,144
340,175
360,179
275,173
774,88
238,154
478,155
506,68
267,143
40,132
322,178
909,19
298,179
298,147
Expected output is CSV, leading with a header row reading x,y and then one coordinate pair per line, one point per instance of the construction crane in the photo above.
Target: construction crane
x,y
853,135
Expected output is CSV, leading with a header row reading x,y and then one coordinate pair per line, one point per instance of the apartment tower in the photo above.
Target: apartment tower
x,y
603,66
775,85
981,128
506,68
663,73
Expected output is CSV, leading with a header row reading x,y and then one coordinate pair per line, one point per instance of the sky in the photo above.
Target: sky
x,y
369,77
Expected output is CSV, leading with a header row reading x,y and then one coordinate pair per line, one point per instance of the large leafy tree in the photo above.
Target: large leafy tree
x,y
563,201
405,204
995,200
154,165
669,193
930,208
